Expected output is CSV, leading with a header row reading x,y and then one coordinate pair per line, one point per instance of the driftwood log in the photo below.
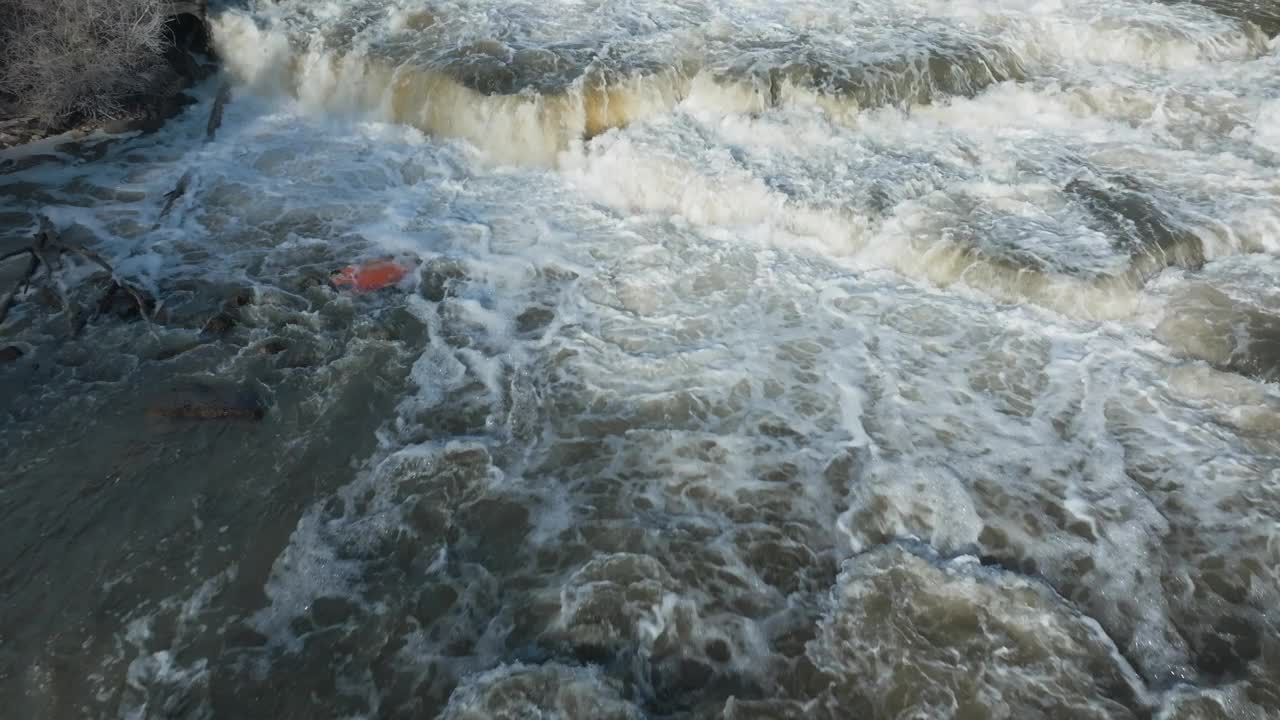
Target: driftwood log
x,y
173,195
215,116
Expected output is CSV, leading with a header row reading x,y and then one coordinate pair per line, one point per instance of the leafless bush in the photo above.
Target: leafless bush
x,y
70,59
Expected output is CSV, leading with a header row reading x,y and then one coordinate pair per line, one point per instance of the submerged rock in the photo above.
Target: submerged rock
x,y
219,324
553,692
274,346
1265,15
117,300
440,278
239,298
911,637
534,319
207,401
1233,336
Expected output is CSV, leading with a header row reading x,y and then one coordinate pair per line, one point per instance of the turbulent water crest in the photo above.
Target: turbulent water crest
x,y
759,359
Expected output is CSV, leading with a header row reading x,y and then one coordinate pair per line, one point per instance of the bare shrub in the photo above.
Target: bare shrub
x,y
78,59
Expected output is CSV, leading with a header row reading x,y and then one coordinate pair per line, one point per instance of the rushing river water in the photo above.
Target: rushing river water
x,y
761,359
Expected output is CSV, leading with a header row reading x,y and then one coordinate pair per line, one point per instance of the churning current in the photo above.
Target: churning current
x,y
756,359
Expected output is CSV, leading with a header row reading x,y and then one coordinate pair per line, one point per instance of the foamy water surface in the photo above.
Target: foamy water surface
x,y
760,359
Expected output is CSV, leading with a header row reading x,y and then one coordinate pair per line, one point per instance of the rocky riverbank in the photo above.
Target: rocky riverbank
x,y
188,58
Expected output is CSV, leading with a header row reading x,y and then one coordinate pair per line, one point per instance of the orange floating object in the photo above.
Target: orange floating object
x,y
373,275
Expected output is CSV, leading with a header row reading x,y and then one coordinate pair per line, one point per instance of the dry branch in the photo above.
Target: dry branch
x,y
133,292
46,251
66,59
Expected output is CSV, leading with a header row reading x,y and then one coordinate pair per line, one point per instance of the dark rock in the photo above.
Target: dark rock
x,y
241,635
48,297
1129,214
534,319
219,324
207,401
19,131
678,680
239,298
718,650
1262,13
440,277
328,611
558,274
299,357
274,346
170,353
1258,355
10,354
118,301
311,280
26,162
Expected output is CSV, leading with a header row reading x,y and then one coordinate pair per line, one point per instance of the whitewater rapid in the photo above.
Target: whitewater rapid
x,y
884,359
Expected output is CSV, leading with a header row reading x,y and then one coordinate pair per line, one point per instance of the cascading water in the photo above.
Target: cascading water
x,y
761,359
